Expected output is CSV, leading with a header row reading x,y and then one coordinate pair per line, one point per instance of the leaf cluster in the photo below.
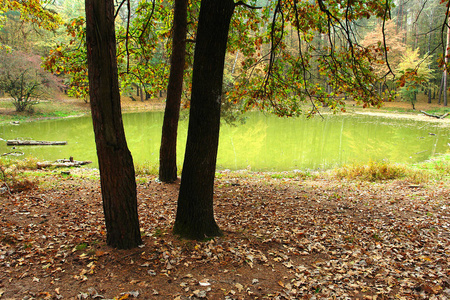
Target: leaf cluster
x,y
414,73
314,55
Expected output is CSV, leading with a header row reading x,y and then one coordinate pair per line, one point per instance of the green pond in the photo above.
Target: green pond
x,y
263,143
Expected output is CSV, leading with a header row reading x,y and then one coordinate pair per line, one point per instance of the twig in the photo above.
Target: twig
x,y
7,189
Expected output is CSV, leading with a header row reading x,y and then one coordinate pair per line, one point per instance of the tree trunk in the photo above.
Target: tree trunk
x,y
117,180
440,90
430,81
429,92
195,214
446,67
141,94
400,17
168,150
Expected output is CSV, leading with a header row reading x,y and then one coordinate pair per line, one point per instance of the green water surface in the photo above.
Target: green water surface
x,y
263,143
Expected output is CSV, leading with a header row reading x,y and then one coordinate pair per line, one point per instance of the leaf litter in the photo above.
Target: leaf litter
x,y
283,239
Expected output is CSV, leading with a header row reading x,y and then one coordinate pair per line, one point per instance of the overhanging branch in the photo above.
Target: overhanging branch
x,y
242,3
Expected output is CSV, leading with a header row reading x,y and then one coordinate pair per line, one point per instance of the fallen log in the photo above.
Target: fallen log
x,y
61,163
435,116
33,143
14,153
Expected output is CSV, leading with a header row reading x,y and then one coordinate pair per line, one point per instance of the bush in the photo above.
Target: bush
x,y
11,180
22,78
376,171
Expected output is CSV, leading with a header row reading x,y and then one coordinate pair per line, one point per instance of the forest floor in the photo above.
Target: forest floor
x,y
286,236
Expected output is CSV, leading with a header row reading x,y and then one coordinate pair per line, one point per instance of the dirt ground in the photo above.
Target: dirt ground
x,y
284,238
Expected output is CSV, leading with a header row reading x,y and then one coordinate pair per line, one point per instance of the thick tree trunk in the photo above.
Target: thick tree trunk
x,y
118,184
168,150
195,214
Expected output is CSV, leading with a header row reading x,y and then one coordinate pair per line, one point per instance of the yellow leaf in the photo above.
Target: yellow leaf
x,y
426,258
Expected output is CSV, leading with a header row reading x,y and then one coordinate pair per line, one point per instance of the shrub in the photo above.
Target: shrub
x,y
375,171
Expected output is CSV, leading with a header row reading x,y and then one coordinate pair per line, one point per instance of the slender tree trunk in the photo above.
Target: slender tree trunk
x,y
446,67
429,93
440,90
400,17
195,214
430,81
115,162
141,93
168,150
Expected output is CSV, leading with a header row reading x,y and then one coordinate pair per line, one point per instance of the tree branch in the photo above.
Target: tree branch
x,y
242,3
127,40
148,20
118,9
384,41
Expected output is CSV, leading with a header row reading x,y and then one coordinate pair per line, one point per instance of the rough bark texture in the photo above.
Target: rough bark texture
x,y
446,66
118,184
195,214
168,150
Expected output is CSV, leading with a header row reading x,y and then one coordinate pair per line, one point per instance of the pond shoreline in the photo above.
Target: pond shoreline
x,y
419,116
71,108
381,113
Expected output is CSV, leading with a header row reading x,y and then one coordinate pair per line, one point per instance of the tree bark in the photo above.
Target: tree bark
x,y
118,184
168,150
195,213
446,67
430,81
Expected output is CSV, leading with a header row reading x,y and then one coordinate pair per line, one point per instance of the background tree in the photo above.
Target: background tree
x,y
168,154
23,24
23,80
117,174
415,74
385,36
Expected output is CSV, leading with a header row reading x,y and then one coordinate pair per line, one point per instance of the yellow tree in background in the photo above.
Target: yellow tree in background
x,y
415,74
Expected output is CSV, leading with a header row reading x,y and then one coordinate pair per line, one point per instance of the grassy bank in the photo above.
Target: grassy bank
x,y
45,109
22,174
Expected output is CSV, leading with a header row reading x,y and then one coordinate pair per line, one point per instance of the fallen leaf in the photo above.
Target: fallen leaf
x,y
204,282
239,286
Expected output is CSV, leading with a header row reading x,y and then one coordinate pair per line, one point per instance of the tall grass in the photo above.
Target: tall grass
x,y
146,169
438,167
378,171
12,178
